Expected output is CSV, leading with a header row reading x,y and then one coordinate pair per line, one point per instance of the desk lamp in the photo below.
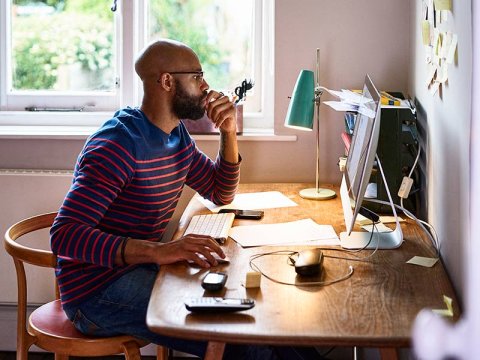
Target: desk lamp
x,y
300,116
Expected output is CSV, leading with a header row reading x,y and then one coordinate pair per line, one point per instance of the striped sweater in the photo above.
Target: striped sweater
x,y
127,181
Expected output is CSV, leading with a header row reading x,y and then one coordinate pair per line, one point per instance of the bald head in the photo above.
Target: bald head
x,y
163,56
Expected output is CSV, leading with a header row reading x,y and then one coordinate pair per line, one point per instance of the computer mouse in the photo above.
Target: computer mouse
x,y
309,262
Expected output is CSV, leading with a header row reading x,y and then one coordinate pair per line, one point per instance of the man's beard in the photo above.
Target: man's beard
x,y
186,106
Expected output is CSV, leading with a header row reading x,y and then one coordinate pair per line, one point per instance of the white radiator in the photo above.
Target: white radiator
x,y
25,193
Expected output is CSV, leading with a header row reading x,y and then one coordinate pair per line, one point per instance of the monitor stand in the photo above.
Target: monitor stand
x,y
360,239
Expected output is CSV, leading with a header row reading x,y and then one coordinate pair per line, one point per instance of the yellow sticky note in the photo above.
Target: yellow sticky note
x,y
362,220
443,4
379,227
436,40
426,32
448,311
422,261
390,219
439,44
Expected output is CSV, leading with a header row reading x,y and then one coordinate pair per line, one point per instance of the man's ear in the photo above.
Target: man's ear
x,y
166,81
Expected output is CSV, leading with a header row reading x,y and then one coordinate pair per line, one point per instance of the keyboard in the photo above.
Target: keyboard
x,y
214,225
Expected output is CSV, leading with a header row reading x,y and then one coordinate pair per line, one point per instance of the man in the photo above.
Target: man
x,y
127,182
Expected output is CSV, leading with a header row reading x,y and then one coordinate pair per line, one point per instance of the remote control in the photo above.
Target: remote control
x,y
218,304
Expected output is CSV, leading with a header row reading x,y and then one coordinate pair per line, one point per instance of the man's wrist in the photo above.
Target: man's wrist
x,y
229,147
138,252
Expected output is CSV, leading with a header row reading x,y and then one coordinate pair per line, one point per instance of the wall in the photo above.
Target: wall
x,y
448,117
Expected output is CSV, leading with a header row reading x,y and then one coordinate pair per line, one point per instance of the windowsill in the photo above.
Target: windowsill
x,y
82,132
20,125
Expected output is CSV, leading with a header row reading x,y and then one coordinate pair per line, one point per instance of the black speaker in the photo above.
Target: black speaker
x,y
397,149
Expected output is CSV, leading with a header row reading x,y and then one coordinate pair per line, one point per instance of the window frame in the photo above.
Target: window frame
x,y
131,29
17,100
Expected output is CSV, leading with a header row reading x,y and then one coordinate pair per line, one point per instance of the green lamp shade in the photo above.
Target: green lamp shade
x,y
301,107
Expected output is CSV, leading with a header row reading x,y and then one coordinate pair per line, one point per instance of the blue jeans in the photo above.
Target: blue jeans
x,y
121,308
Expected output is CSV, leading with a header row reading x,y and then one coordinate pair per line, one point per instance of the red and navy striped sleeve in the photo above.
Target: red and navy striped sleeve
x,y
216,181
103,169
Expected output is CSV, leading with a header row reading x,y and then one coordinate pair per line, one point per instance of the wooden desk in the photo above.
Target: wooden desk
x,y
375,307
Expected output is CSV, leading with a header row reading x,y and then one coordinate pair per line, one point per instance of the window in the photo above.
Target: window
x,y
60,54
78,54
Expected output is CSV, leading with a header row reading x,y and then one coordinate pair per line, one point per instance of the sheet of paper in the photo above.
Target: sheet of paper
x,y
252,201
434,88
449,310
452,49
428,54
335,93
432,69
347,96
341,106
442,73
424,10
366,111
353,97
422,261
447,42
443,16
430,12
306,232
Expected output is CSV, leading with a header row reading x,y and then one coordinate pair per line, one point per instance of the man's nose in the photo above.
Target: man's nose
x,y
204,86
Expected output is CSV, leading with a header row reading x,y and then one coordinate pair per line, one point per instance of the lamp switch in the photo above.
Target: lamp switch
x,y
404,190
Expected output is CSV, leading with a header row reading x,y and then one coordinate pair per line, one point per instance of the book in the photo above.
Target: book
x,y
387,99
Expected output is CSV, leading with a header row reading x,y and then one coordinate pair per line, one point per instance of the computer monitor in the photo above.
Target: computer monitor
x,y
360,162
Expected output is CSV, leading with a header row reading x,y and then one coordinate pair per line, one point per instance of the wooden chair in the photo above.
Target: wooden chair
x,y
48,326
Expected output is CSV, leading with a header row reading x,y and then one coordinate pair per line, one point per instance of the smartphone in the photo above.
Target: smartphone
x,y
244,214
214,281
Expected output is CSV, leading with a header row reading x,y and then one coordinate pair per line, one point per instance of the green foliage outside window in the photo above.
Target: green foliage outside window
x,y
184,20
81,32
43,43
41,48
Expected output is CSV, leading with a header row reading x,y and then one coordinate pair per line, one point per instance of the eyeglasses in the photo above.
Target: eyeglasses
x,y
198,75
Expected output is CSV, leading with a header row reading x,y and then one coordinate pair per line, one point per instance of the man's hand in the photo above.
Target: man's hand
x,y
190,248
222,112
